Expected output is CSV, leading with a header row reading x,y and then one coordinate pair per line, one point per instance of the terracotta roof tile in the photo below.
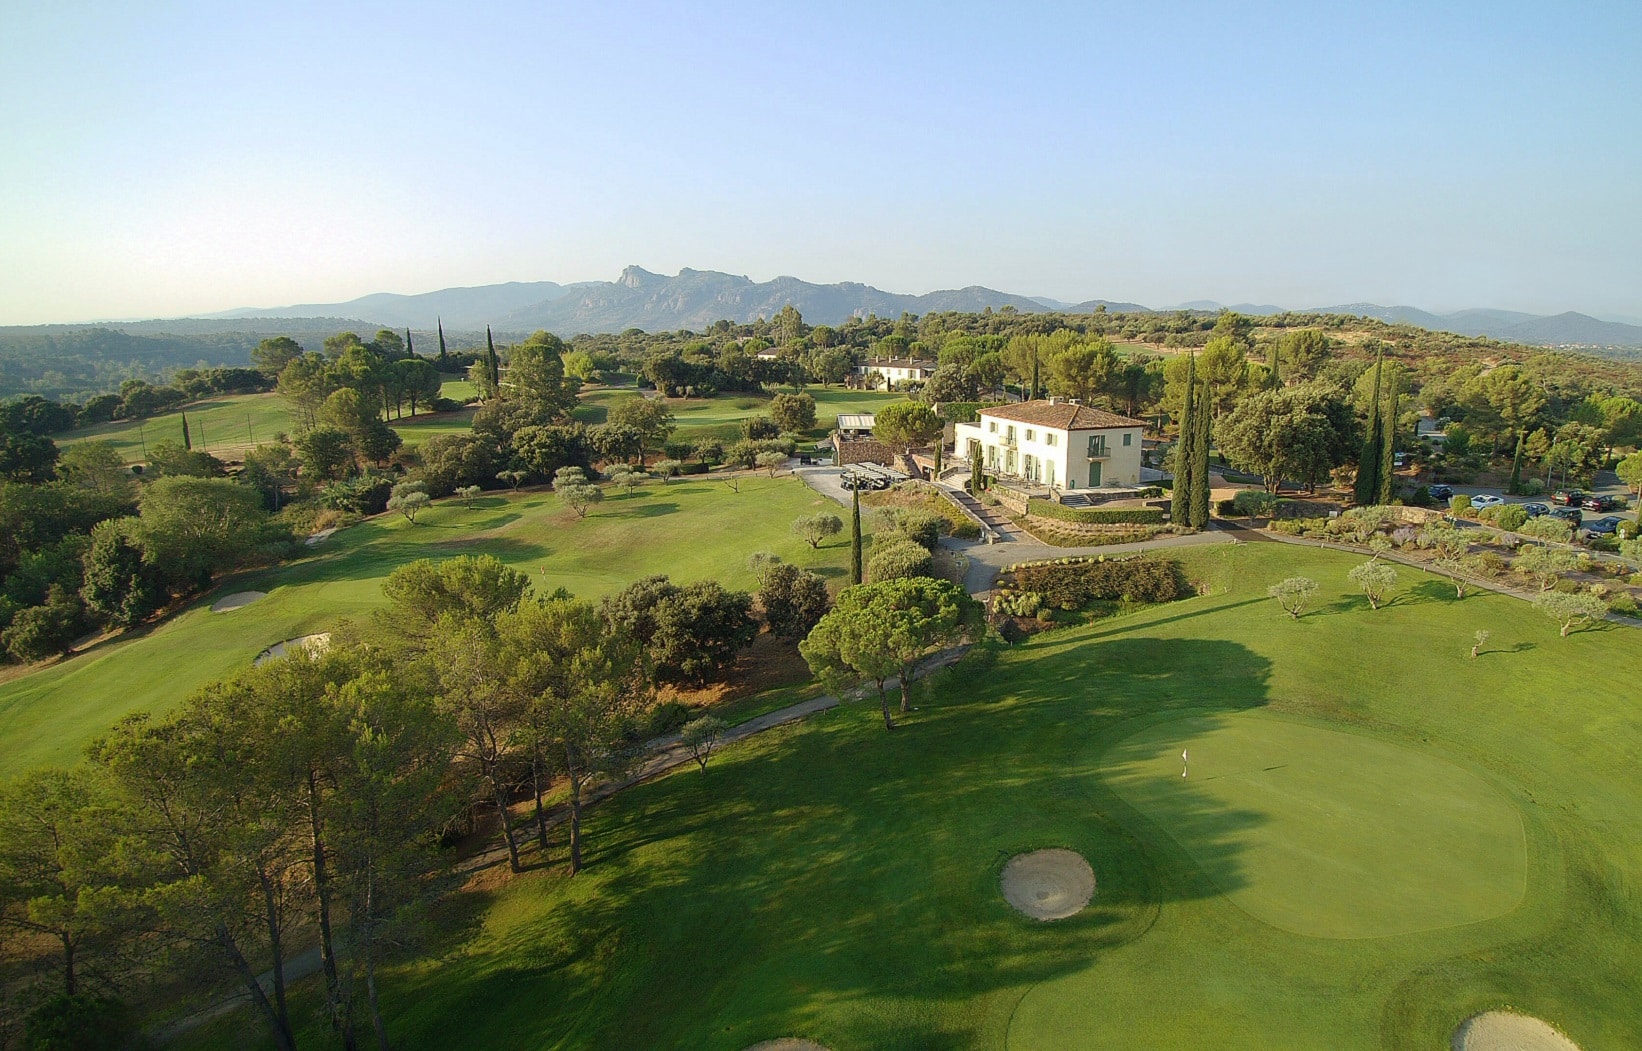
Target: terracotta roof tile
x,y
1060,415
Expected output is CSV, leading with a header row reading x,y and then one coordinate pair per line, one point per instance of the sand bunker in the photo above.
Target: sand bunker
x,y
1508,1031
1048,884
229,603
319,537
314,643
787,1044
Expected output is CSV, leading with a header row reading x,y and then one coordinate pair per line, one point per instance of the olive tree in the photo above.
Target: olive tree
x,y
575,490
1294,594
817,527
701,737
1376,578
1571,610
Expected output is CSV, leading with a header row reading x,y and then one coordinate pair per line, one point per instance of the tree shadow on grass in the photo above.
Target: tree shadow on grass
x,y
822,873
647,509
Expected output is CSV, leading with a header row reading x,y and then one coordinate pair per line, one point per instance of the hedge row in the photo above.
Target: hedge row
x,y
692,468
1095,515
1072,585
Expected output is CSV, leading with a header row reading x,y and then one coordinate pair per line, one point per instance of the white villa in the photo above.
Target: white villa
x,y
897,371
1055,443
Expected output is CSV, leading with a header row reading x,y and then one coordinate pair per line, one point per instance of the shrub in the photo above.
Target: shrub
x,y
1508,517
1073,584
666,717
923,528
894,557
1095,515
756,427
794,600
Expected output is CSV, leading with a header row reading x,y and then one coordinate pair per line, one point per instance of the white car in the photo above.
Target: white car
x,y
1484,501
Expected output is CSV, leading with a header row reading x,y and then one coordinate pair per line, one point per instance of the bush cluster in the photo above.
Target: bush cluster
x,y
1074,583
1095,515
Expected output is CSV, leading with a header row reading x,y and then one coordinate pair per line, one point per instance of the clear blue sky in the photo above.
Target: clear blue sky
x,y
158,159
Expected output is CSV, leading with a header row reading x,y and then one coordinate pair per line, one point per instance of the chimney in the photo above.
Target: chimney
x,y
1053,400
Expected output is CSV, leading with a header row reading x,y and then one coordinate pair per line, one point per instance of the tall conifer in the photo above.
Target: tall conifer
x,y
855,536
1388,440
491,366
1367,486
1184,462
443,355
1200,455
187,442
410,348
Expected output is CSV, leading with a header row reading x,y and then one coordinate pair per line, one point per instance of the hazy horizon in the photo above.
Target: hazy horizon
x,y
195,159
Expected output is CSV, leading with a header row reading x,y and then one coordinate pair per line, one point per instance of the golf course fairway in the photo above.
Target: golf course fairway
x,y
1323,832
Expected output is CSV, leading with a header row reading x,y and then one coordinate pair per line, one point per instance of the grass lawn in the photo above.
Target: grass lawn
x,y
225,426
689,530
1381,837
720,417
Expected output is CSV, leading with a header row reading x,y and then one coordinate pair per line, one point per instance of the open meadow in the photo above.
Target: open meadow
x,y
691,530
719,418
1377,837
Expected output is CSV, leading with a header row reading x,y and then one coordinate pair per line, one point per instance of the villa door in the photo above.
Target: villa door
x,y
1094,475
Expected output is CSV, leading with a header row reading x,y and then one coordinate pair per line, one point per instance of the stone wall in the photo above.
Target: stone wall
x,y
864,450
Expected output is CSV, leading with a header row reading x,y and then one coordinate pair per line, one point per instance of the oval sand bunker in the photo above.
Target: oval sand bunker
x,y
314,643
1048,884
787,1044
1508,1031
229,603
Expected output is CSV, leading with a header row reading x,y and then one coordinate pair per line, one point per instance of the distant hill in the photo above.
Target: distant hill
x,y
696,298
459,307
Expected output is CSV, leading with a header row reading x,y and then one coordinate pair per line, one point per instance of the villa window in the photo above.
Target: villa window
x,y
1128,437
1029,434
1049,437
992,425
1097,445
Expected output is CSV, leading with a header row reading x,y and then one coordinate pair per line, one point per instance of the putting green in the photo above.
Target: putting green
x,y
1326,833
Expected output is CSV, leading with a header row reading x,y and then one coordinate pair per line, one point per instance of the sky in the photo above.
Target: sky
x,y
162,159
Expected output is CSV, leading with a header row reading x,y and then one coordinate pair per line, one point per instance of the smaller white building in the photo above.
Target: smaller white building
x,y
1055,442
897,371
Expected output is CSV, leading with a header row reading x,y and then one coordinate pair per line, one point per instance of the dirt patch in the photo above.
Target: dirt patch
x,y
787,1043
1508,1031
1048,884
770,662
321,536
229,603
313,643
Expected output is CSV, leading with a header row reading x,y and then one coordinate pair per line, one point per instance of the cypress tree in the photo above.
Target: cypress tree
x,y
1033,396
1367,485
977,475
1184,461
1388,440
410,348
443,356
1276,364
1200,454
490,364
855,536
1516,463
187,442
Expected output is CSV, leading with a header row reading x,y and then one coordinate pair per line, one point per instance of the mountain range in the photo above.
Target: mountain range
x,y
694,299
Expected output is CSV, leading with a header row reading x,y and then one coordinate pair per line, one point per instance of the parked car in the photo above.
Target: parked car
x,y
1485,500
1603,526
1441,492
1535,510
1599,503
1568,497
1568,514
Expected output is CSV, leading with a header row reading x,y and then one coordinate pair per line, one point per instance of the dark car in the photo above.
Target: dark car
x,y
1568,514
1441,492
1535,510
1599,503
1604,526
1568,497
